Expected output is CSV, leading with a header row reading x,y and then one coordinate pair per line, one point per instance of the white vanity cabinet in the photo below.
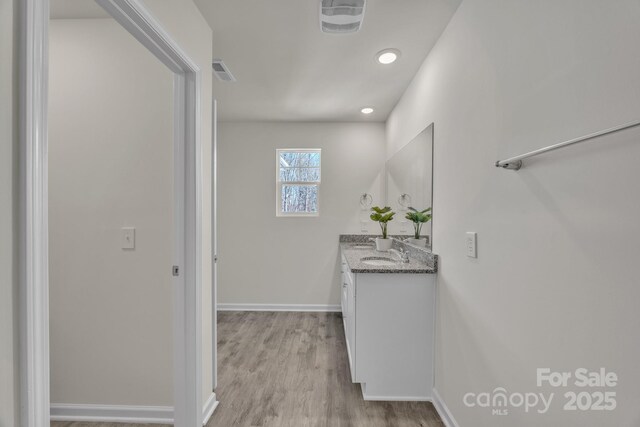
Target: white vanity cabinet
x,y
389,329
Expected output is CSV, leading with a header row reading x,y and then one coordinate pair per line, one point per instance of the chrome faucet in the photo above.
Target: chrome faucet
x,y
402,254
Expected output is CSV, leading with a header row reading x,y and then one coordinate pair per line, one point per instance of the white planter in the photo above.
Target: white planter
x,y
422,242
383,244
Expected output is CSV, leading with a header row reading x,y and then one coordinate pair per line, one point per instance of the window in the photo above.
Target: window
x,y
297,182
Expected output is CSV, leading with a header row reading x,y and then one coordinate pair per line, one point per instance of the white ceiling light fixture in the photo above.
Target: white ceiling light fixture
x,y
341,16
387,56
366,110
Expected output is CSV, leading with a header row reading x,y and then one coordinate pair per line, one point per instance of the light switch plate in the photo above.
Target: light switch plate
x,y
128,238
472,244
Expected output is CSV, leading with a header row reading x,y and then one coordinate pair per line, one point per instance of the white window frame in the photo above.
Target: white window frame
x,y
280,183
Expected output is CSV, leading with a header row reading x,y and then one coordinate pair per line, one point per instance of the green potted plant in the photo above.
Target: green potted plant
x,y
419,218
382,216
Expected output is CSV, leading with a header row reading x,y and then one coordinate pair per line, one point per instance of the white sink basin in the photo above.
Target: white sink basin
x,y
378,261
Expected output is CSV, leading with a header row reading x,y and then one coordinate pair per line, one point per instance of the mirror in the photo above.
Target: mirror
x,y
409,183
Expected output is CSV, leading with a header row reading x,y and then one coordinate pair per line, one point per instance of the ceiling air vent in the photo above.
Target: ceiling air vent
x,y
222,72
341,16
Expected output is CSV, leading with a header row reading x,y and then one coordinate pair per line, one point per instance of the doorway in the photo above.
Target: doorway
x,y
184,272
110,160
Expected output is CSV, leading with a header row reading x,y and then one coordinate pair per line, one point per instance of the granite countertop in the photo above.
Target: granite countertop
x,y
355,251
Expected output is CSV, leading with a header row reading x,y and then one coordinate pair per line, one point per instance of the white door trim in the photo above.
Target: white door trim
x,y
34,283
214,244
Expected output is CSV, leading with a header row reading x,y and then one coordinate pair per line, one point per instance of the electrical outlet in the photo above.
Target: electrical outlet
x,y
128,235
472,244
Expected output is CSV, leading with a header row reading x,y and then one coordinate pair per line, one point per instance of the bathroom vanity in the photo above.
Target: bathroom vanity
x,y
388,312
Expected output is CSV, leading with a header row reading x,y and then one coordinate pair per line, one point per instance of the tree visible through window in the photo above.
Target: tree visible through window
x,y
298,182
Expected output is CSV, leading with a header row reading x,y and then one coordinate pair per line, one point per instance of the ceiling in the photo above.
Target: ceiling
x,y
288,70
76,9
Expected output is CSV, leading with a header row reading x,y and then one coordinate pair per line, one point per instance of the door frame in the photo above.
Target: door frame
x,y
214,243
33,251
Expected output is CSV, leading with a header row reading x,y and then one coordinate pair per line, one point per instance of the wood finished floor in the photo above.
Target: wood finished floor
x,y
291,370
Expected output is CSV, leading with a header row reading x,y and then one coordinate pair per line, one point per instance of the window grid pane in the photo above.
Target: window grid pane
x,y
300,174
299,198
296,159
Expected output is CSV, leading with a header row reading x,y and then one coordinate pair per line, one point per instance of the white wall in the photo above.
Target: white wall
x,y
266,259
555,284
110,166
8,217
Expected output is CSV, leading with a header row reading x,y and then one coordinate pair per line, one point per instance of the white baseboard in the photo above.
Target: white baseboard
x,y
280,307
112,413
210,405
443,410
397,398
368,396
124,413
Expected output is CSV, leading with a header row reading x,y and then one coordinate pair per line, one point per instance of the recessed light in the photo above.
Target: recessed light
x,y
387,56
367,110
